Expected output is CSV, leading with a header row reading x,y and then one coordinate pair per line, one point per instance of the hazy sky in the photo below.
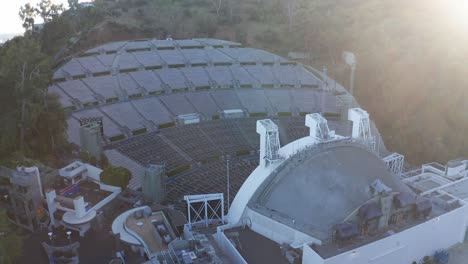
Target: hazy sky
x,y
9,19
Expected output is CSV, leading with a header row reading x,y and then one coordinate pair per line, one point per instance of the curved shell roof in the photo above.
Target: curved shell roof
x,y
317,189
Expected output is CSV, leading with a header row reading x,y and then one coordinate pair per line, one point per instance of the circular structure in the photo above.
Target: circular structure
x,y
321,187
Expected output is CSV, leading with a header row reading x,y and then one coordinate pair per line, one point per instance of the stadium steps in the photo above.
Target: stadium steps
x,y
244,135
209,139
176,148
118,159
147,123
122,128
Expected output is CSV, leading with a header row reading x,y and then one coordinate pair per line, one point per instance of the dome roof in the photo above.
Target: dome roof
x,y
318,188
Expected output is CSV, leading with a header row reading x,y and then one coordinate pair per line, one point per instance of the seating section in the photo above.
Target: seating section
x,y
280,99
173,78
77,89
177,104
148,80
111,129
210,178
193,141
106,86
124,113
226,135
127,61
148,58
92,64
197,76
128,84
152,109
149,149
203,103
254,100
221,75
226,99
263,74
172,57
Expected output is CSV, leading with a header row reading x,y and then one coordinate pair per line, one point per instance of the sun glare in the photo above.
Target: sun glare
x,y
458,12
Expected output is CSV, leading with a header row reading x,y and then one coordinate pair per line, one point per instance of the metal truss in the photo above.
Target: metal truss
x,y
205,209
270,137
394,163
322,132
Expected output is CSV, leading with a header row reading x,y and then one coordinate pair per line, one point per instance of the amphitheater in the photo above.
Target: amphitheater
x,y
192,105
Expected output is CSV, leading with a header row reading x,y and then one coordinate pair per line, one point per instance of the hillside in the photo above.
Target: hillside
x,y
411,75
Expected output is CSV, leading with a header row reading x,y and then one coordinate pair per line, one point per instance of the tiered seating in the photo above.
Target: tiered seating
x,y
216,42
172,57
306,78
110,128
148,81
225,135
217,57
172,77
150,149
226,99
295,127
203,103
285,74
152,109
107,86
254,100
78,90
148,58
177,103
239,55
221,75
138,45
242,76
262,74
92,64
126,61
125,115
249,129
306,100
210,178
280,99
73,67
195,56
341,127
106,59
263,56
109,47
128,84
197,76
189,43
192,141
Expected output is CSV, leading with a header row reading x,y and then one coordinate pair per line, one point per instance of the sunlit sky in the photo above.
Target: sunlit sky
x,y
9,18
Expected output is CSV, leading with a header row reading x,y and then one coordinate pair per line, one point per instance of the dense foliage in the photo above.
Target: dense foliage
x,y
33,122
410,76
10,242
116,176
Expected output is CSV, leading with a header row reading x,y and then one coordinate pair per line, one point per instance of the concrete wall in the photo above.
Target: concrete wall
x,y
276,231
410,245
310,256
229,249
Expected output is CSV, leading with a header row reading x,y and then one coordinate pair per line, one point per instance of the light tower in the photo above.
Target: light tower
x,y
350,59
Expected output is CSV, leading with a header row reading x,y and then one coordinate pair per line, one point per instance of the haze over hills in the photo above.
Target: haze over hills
x,y
410,73
6,37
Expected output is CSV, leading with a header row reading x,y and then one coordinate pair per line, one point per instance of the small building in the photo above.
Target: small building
x,y
77,196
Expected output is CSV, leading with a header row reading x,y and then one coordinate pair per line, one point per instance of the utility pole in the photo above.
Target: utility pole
x,y
228,184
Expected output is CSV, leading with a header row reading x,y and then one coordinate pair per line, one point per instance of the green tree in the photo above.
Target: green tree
x,y
48,11
33,122
10,242
27,14
116,176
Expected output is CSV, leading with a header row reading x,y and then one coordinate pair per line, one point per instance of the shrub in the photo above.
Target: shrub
x,y
116,176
